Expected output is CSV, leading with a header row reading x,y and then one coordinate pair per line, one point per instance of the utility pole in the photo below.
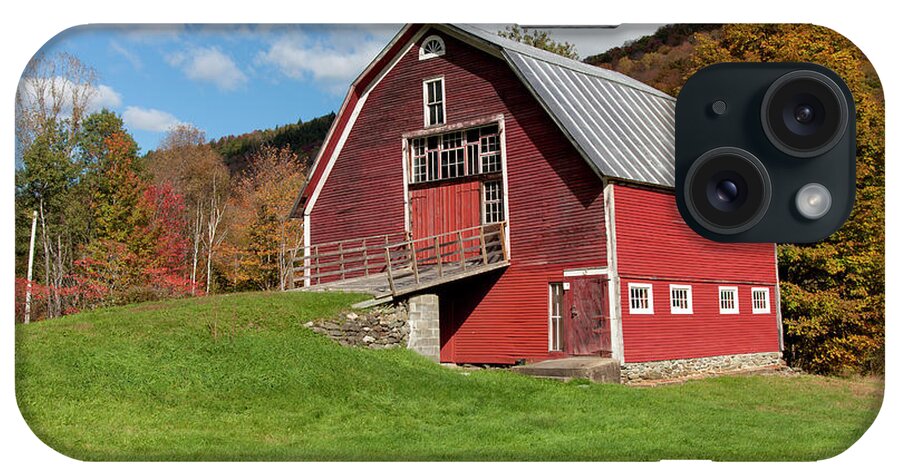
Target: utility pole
x,y
34,218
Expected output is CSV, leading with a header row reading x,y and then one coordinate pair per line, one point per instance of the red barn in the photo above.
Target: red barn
x,y
525,200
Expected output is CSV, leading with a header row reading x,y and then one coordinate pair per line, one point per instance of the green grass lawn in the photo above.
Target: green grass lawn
x,y
238,377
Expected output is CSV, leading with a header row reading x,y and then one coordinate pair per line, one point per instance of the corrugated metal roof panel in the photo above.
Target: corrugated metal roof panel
x,y
625,128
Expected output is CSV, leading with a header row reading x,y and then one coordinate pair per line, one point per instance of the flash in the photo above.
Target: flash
x,y
813,201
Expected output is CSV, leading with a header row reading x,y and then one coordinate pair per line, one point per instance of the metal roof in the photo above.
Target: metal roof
x,y
624,128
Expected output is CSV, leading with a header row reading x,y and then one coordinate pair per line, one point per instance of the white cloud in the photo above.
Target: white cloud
x,y
105,97
152,120
331,59
209,65
63,91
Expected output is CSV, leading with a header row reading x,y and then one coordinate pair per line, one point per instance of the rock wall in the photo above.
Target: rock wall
x,y
383,327
634,372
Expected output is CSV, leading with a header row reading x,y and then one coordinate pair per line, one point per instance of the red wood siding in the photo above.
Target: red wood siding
x,y
654,245
555,200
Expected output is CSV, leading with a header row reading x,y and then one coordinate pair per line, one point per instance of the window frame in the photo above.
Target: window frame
x,y
690,298
424,56
500,212
427,161
558,344
649,308
426,105
737,304
768,301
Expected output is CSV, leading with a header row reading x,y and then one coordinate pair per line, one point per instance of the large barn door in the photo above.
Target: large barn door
x,y
445,208
587,326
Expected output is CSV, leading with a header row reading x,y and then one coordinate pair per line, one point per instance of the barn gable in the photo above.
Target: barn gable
x,y
623,128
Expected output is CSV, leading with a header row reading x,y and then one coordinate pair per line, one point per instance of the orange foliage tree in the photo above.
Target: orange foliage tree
x,y
257,252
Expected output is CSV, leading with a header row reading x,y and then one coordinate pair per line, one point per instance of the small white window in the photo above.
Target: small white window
x,y
681,299
640,298
556,320
433,95
760,297
493,202
432,47
728,300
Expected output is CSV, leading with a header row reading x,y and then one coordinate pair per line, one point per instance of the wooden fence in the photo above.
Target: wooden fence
x,y
397,257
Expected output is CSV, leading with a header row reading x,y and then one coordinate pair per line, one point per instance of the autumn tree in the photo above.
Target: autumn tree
x,y
833,291
187,163
259,247
539,39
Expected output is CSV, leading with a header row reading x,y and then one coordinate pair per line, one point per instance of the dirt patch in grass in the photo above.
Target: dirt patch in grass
x,y
82,326
152,306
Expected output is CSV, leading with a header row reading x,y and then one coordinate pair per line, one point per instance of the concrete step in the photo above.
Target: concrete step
x,y
597,369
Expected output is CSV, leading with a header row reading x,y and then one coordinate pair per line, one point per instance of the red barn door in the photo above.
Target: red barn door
x,y
587,326
445,208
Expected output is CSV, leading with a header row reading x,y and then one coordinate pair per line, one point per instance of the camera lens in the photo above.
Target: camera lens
x,y
727,190
804,113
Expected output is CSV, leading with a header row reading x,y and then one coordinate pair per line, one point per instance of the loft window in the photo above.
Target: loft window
x,y
556,321
493,202
432,47
456,154
681,299
640,298
453,160
760,298
489,154
433,92
728,300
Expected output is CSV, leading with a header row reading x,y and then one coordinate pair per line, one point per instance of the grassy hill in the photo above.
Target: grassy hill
x,y
238,377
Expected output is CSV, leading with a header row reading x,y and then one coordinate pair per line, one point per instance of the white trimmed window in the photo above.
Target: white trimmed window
x,y
681,299
433,95
493,202
432,47
640,298
760,298
456,154
556,320
728,300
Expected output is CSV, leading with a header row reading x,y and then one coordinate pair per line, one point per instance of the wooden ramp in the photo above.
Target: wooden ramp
x,y
389,266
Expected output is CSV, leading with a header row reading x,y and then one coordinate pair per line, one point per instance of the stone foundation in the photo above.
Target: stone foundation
x,y
425,326
634,372
379,328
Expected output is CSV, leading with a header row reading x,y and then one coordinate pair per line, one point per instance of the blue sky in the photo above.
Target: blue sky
x,y
230,79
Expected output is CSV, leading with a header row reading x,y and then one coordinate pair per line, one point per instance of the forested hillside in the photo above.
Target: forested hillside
x,y
302,138
660,60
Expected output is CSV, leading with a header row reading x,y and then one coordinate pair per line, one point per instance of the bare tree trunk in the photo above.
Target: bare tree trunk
x,y
216,211
197,227
58,279
281,266
46,243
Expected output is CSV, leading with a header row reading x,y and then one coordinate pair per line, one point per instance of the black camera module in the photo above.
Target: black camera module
x,y
804,113
779,166
727,190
